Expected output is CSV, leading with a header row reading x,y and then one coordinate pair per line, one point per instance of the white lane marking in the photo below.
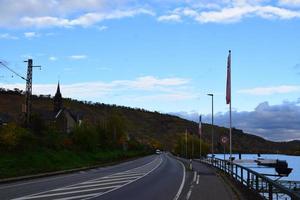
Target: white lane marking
x,y
33,182
92,180
126,172
160,161
112,179
78,197
198,176
182,182
68,175
195,176
188,195
126,175
91,185
63,193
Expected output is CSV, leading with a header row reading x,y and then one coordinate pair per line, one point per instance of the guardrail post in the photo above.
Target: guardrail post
x,y
256,182
242,176
270,191
248,180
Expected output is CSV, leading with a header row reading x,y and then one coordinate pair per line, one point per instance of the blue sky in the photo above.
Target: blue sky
x,y
162,55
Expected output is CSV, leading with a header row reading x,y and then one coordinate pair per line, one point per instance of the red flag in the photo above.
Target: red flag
x,y
228,85
200,126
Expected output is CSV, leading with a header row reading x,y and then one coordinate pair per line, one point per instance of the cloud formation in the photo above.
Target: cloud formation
x,y
78,57
273,122
53,58
8,36
31,34
235,12
270,90
66,14
169,18
141,89
84,20
292,3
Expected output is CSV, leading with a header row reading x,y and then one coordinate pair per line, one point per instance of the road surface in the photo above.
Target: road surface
x,y
152,177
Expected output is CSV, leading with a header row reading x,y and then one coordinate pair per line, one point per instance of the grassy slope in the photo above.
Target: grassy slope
x,y
148,125
20,164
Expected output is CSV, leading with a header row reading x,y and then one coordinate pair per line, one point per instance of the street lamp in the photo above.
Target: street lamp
x,y
212,123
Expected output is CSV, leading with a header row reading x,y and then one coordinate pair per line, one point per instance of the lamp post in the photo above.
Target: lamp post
x,y
212,123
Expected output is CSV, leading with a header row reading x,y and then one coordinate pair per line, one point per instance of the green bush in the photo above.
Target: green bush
x,y
85,137
184,146
13,137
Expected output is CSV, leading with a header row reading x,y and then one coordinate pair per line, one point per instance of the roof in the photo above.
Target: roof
x,y
76,116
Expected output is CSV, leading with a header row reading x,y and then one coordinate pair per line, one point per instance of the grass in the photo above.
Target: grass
x,y
28,163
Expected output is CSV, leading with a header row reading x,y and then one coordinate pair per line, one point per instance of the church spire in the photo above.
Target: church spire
x,y
58,90
57,99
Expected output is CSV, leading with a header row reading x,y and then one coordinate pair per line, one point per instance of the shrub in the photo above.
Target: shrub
x,y
85,137
12,137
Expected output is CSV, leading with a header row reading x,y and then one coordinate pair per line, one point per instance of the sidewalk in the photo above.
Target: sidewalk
x,y
207,185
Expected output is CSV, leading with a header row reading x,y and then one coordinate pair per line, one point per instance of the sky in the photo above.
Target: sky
x,y
163,55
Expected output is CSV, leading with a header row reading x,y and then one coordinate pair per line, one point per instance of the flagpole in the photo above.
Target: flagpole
x,y
186,143
230,130
192,145
200,134
230,121
228,101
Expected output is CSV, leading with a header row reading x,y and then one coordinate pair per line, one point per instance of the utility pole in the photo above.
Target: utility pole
x,y
186,144
192,145
212,124
28,103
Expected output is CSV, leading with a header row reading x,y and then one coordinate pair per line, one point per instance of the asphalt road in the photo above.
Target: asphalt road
x,y
152,177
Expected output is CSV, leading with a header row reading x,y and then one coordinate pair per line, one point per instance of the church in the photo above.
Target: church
x,y
64,119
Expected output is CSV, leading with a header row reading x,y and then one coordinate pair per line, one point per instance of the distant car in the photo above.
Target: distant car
x,y
158,151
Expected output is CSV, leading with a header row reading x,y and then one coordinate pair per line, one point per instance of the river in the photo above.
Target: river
x,y
293,162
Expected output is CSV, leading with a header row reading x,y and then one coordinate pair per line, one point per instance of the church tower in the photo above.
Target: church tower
x,y
57,100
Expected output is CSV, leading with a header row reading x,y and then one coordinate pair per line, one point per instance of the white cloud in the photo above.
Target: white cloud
x,y
78,57
102,28
289,2
8,36
66,13
237,13
274,122
169,18
140,89
31,34
84,20
53,58
271,90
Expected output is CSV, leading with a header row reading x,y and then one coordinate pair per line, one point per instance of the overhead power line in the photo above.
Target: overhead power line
x,y
11,70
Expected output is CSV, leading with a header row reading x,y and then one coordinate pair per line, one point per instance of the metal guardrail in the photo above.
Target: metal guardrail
x,y
266,187
292,185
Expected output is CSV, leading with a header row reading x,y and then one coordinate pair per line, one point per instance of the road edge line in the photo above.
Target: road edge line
x,y
182,182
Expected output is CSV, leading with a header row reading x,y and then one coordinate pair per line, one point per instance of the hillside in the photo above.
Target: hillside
x,y
146,126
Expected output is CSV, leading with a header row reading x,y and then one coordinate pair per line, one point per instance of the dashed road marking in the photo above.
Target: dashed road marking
x,y
78,197
188,195
195,176
198,177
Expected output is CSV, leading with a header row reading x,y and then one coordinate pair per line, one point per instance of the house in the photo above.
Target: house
x,y
4,119
64,119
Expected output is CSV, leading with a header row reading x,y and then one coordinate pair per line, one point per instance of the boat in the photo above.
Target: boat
x,y
266,162
281,166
